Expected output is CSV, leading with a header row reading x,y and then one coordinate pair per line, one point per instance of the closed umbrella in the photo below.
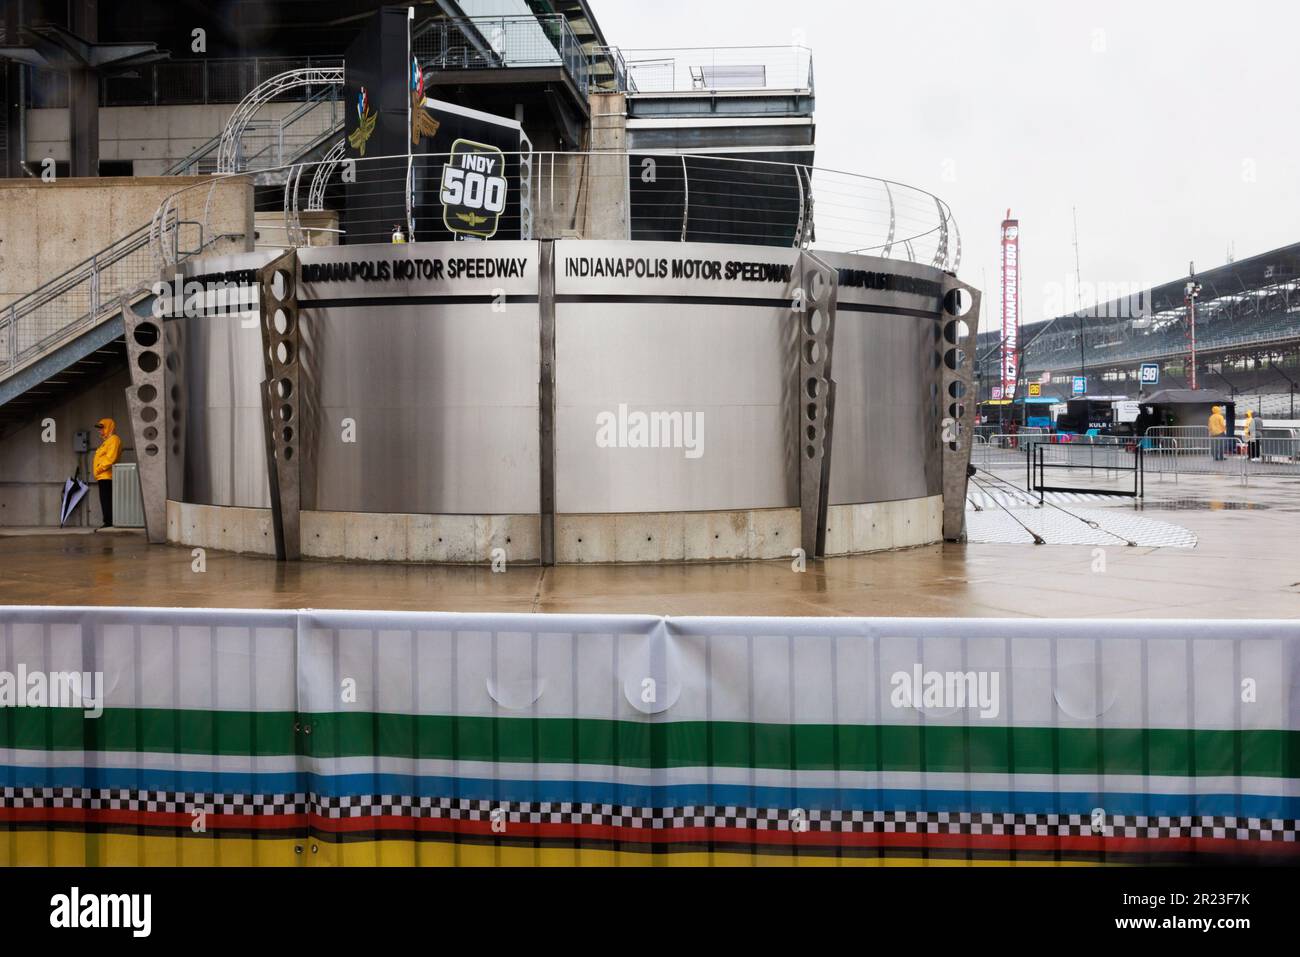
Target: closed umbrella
x,y
74,490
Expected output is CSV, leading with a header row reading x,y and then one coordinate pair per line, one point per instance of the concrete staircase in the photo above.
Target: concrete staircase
x,y
67,334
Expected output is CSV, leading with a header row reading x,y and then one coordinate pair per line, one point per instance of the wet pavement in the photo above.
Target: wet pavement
x,y
1246,564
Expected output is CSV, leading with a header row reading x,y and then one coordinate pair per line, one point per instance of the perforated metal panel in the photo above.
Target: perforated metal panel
x,y
128,503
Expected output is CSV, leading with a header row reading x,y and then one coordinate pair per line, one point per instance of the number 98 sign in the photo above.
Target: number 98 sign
x,y
474,189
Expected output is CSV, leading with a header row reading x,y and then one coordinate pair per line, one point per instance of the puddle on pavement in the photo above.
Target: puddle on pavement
x,y
1200,505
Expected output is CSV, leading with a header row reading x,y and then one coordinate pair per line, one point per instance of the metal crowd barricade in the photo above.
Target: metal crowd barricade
x,y
1276,457
1013,449
1165,451
1190,450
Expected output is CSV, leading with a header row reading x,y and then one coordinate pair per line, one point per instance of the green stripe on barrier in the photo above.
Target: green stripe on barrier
x,y
937,748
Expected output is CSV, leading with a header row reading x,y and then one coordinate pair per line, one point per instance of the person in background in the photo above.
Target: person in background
x,y
1218,426
110,447
1250,433
399,234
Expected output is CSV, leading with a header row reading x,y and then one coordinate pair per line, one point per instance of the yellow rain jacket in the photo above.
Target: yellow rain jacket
x,y
1218,424
108,451
1248,430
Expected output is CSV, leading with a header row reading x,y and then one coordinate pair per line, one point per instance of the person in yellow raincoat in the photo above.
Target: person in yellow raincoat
x,y
1250,433
1218,426
110,447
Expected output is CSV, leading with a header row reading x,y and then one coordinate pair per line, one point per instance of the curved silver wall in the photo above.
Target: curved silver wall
x,y
217,449
423,361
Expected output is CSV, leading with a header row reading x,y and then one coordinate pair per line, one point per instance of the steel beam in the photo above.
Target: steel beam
x,y
546,397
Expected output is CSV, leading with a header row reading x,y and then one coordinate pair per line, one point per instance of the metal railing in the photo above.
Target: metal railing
x,y
826,210
619,79
1171,451
1012,450
269,143
1054,357
177,82
699,199
1271,456
74,301
322,112
91,292
1069,459
719,69
502,42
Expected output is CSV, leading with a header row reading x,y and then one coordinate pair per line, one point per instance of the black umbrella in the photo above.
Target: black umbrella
x,y
74,490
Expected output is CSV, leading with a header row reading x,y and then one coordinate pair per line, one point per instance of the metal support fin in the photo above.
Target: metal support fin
x,y
145,399
814,309
282,400
957,398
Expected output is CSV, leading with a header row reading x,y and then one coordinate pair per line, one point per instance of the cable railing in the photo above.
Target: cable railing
x,y
664,196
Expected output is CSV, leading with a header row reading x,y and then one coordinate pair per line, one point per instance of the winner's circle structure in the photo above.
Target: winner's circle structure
x,y
574,400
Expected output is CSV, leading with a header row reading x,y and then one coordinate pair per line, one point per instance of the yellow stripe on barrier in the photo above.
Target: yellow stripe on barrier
x,y
71,849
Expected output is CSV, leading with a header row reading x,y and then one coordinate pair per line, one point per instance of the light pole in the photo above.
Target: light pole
x,y
1190,293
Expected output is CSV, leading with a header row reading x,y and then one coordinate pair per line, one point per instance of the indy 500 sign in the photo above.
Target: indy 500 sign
x,y
1010,304
474,189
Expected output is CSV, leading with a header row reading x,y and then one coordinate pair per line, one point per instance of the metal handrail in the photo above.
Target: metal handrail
x,y
710,69
501,42
277,142
228,156
85,278
328,92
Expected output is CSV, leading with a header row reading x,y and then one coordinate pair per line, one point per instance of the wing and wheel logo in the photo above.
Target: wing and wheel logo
x,y
366,119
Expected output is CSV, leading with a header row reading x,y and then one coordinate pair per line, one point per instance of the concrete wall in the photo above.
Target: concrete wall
x,y
79,217
32,472
154,137
321,228
742,535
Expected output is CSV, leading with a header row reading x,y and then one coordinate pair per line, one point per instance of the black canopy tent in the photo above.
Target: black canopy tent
x,y
1184,407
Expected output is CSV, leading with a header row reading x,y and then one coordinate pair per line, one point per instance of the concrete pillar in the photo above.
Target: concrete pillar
x,y
14,115
605,201
83,95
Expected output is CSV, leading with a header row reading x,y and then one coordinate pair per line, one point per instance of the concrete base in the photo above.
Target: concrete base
x,y
881,526
742,535
228,529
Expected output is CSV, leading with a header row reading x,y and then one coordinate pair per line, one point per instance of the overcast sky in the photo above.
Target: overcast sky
x,y
1171,126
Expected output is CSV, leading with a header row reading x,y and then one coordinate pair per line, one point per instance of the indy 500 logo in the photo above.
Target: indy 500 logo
x,y
473,189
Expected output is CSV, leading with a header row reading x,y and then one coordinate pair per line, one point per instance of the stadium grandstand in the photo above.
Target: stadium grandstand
x,y
1247,338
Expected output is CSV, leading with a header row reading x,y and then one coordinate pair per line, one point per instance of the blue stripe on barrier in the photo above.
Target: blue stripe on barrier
x,y
678,795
